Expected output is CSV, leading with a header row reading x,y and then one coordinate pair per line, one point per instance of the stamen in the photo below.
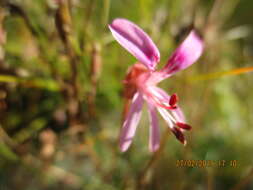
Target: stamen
x,y
179,135
166,107
183,126
168,115
159,102
173,100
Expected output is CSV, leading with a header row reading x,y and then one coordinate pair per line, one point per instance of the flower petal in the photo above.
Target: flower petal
x,y
166,116
136,41
154,137
184,56
131,122
178,114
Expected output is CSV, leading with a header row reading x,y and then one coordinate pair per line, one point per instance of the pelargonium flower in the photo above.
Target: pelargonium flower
x,y
142,78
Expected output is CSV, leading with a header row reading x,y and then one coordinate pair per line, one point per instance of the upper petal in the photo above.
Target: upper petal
x,y
136,41
154,136
184,56
131,122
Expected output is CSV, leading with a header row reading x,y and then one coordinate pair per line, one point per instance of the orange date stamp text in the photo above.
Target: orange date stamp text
x,y
206,163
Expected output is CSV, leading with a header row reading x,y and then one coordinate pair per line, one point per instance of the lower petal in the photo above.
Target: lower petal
x,y
131,122
154,138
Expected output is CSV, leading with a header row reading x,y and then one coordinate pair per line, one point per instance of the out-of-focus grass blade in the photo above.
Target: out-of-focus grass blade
x,y
7,152
33,129
106,11
221,74
31,82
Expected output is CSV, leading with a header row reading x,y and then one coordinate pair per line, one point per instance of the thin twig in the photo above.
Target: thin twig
x,y
141,180
215,75
245,181
209,177
36,34
64,26
2,35
96,64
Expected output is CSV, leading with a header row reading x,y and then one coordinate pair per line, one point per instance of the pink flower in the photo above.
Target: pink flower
x,y
142,78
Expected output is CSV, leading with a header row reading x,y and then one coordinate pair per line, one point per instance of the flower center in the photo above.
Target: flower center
x,y
135,79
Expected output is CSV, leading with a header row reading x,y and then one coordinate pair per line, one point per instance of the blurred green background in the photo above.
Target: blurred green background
x,y
61,98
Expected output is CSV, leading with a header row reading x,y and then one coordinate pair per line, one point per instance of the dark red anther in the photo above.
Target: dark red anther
x,y
179,135
183,126
173,100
